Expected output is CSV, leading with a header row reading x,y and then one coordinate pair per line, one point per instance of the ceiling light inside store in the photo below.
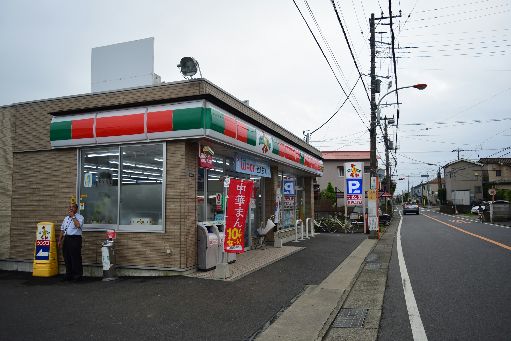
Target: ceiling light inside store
x,y
104,154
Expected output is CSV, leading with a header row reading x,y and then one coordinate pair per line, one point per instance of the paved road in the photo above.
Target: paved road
x,y
177,308
460,271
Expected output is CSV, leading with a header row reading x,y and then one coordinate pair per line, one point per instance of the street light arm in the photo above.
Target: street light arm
x,y
392,91
417,86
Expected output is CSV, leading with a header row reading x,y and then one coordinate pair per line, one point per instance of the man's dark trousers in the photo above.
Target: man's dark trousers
x,y
72,251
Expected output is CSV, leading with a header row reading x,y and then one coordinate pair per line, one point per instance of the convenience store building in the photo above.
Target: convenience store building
x,y
134,159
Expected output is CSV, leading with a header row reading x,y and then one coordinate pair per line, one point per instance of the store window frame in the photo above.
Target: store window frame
x,y
118,227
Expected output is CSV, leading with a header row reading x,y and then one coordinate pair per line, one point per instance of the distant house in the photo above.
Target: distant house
x,y
463,182
427,190
416,192
497,173
333,169
431,191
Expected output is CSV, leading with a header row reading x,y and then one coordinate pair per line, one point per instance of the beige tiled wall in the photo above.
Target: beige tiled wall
x,y
6,132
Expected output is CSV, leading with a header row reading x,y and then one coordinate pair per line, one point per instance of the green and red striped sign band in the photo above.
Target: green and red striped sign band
x,y
167,122
76,129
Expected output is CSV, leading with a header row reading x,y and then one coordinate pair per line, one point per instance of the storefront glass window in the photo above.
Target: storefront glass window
x,y
141,186
98,185
214,208
136,202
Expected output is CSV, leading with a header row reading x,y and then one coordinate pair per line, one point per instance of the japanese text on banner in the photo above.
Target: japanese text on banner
x,y
238,199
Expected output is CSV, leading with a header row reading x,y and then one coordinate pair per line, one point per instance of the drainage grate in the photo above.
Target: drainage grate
x,y
373,266
350,318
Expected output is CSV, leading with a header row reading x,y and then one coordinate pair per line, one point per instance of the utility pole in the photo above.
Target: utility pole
x,y
458,150
372,129
463,150
307,134
374,106
439,179
387,163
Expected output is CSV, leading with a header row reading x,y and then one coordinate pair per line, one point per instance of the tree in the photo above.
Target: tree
x,y
329,193
503,194
406,197
442,195
392,185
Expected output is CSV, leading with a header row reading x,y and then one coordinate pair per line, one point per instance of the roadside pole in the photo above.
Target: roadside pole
x,y
372,129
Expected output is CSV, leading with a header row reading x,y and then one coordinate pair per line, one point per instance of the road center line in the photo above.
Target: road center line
x,y
418,332
504,246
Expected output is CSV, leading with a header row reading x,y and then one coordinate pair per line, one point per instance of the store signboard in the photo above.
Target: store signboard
x,y
354,183
252,167
206,157
289,187
264,142
218,201
289,202
239,193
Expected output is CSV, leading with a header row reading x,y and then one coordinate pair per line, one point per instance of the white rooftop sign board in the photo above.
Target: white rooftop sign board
x,y
123,65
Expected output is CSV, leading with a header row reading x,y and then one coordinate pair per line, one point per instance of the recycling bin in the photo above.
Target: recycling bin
x,y
207,246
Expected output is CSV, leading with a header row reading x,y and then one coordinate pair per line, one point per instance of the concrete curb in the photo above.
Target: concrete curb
x,y
309,317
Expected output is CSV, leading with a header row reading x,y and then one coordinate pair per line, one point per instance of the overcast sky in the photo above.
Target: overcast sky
x,y
263,51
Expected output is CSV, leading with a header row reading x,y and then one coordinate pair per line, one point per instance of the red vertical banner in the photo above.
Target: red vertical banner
x,y
238,199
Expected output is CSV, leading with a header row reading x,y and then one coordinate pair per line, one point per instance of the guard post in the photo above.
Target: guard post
x,y
45,251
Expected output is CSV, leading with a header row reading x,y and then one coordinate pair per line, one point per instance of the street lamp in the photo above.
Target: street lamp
x,y
420,86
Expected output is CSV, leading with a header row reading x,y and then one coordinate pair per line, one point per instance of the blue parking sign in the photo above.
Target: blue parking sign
x,y
289,187
354,186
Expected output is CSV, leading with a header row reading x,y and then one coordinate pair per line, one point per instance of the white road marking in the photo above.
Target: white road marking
x,y
418,332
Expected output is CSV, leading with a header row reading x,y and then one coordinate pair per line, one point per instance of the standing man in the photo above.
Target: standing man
x,y
71,235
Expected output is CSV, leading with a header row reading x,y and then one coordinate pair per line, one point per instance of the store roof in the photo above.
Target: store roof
x,y
346,155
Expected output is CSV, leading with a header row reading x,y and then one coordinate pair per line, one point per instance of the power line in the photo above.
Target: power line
x,y
423,162
460,20
484,39
443,34
349,47
332,55
408,17
321,126
457,5
358,22
328,62
349,35
459,13
500,151
393,38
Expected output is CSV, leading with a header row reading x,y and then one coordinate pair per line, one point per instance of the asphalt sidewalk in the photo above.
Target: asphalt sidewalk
x,y
173,308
